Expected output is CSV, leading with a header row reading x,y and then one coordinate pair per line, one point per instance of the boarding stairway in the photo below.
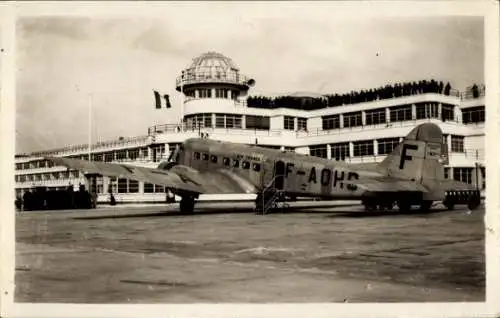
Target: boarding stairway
x,y
270,198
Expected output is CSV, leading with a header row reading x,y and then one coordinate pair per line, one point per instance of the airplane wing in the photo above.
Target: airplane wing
x,y
180,179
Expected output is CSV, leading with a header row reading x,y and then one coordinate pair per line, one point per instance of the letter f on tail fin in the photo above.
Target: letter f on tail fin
x,y
419,156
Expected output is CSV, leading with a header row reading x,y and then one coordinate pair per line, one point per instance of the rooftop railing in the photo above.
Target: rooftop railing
x,y
138,140
209,77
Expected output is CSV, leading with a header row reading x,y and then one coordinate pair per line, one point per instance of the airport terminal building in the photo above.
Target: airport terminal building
x,y
356,127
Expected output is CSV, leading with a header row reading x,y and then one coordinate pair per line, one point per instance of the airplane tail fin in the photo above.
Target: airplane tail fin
x,y
420,156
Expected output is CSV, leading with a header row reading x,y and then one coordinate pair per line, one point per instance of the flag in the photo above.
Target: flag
x,y
167,101
157,99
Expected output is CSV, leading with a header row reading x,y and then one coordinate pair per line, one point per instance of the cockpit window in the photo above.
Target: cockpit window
x,y
205,156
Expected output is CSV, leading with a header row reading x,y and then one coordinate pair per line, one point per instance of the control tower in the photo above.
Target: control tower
x,y
212,84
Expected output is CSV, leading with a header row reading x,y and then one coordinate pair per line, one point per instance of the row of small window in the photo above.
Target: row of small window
x,y
289,123
466,175
379,116
158,151
34,165
47,176
235,163
128,186
352,119
207,93
340,151
473,115
385,146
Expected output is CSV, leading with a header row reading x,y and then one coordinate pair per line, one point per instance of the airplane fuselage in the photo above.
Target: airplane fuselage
x,y
296,174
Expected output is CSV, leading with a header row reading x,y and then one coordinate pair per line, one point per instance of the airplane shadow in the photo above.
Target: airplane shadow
x,y
393,213
205,211
286,210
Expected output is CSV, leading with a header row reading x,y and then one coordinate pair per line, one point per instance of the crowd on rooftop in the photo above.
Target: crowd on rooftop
x,y
383,92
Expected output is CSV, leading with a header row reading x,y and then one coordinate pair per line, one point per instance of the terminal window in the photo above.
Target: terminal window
x,y
159,189
205,93
220,93
133,186
376,116
257,122
108,157
340,151
318,151
97,157
400,113
426,110
289,123
133,154
387,145
363,148
149,188
301,124
447,112
353,119
121,155
331,122
462,174
457,143
122,186
233,121
473,115
220,121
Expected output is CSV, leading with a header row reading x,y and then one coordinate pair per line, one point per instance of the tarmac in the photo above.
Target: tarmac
x,y
224,253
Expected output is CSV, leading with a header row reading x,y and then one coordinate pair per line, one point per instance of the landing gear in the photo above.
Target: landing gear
x,y
187,205
259,204
372,204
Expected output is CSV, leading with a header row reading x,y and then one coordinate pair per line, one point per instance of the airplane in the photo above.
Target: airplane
x,y
413,174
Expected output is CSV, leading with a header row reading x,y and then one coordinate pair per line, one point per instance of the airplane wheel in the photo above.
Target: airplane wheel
x,y
258,204
449,204
474,202
187,205
425,206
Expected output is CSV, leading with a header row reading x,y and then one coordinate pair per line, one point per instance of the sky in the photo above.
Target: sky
x,y
119,61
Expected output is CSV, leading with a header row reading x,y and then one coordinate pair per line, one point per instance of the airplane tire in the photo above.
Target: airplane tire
x,y
474,202
187,205
258,204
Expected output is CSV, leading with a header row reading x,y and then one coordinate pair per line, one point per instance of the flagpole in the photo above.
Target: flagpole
x,y
90,126
182,101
